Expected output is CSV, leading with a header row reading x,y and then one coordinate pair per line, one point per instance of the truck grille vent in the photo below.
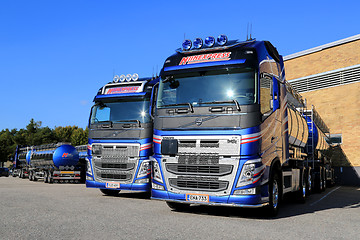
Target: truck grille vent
x,y
199,159
214,170
209,144
187,144
121,166
198,185
116,176
110,151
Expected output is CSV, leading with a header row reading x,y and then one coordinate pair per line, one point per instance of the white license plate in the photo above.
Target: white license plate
x,y
112,185
197,198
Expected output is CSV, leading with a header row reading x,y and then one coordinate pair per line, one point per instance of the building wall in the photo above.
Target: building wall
x,y
339,106
341,56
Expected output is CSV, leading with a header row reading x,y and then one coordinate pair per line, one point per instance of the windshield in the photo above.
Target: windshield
x,y
208,87
123,110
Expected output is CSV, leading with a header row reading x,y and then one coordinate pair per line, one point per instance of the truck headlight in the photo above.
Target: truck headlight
x,y
88,167
144,169
251,172
156,171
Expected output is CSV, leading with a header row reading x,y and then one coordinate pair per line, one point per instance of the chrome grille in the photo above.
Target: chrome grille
x,y
199,159
116,162
213,170
198,185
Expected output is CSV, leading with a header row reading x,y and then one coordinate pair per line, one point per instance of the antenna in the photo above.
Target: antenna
x,y
250,31
153,72
247,32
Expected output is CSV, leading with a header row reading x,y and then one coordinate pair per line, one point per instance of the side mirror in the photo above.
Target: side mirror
x,y
275,104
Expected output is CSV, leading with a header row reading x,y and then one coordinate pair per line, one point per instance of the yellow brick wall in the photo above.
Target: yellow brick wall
x,y
338,106
341,56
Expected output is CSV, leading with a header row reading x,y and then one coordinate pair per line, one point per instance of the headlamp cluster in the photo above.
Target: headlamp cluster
x,y
123,78
208,42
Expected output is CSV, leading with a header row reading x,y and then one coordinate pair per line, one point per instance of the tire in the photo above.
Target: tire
x,y
301,193
45,177
30,176
110,192
318,180
324,179
274,195
309,182
178,206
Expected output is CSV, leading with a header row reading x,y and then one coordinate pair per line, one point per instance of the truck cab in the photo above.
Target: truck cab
x,y
120,136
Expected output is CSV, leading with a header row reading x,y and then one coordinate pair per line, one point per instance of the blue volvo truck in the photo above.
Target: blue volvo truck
x,y
120,136
228,129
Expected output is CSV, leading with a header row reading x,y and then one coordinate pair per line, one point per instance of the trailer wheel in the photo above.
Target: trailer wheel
x,y
324,178
45,177
309,182
178,206
110,192
319,180
301,193
274,194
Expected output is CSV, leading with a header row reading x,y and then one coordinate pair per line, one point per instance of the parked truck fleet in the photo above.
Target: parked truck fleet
x,y
220,126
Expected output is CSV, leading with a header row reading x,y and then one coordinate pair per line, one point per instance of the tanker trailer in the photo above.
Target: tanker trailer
x,y
20,167
54,163
318,150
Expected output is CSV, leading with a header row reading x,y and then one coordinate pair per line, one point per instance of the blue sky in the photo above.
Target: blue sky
x,y
56,54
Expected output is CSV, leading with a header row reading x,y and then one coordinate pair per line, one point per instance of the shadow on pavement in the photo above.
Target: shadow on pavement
x,y
335,197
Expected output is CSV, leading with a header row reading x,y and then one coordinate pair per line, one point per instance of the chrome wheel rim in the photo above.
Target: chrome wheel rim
x,y
275,194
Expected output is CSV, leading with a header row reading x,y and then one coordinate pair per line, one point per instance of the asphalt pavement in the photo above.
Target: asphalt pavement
x,y
36,210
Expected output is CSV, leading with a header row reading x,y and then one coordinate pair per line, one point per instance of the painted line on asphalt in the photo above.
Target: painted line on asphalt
x,y
324,196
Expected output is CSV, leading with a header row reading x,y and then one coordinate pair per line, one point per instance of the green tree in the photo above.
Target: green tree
x,y
63,134
79,137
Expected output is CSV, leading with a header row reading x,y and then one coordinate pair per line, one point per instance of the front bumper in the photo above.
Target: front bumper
x,y
245,201
145,187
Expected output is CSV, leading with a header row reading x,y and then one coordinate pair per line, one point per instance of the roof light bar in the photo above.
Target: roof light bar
x,y
128,78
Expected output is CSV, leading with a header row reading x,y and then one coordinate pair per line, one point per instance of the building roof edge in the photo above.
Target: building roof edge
x,y
322,47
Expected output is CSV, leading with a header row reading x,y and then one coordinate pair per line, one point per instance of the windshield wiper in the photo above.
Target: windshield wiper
x,y
179,104
221,102
127,121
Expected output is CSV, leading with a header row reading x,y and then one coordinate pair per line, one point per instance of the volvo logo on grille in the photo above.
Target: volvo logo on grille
x,y
198,121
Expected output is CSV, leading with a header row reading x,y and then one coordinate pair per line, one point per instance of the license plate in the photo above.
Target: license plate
x,y
112,185
197,197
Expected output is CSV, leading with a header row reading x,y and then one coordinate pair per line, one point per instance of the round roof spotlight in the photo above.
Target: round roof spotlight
x,y
135,77
198,43
116,78
128,77
186,44
122,78
209,41
222,40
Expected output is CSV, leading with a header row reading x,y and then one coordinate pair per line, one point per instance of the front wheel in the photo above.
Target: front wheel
x,y
110,192
178,206
274,195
